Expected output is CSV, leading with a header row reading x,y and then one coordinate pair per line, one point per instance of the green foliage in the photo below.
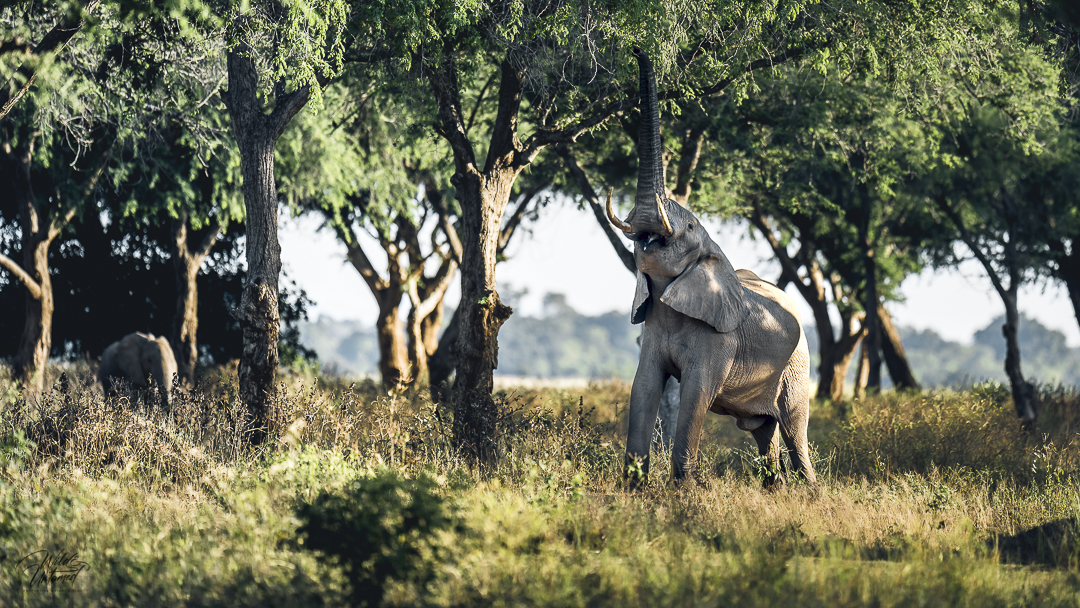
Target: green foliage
x,y
297,43
380,528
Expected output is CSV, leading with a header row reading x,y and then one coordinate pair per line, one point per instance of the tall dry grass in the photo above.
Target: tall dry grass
x,y
933,499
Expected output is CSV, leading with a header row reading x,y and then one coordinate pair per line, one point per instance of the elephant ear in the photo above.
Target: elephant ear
x,y
641,299
709,291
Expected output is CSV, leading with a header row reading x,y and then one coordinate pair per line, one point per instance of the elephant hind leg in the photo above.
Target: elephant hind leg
x,y
768,441
794,400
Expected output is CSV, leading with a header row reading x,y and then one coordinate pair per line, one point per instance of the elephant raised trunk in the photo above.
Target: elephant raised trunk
x,y
650,146
649,215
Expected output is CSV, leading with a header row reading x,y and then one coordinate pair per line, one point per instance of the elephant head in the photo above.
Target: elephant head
x,y
669,242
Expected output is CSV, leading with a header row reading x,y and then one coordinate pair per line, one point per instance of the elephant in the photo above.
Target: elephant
x,y
139,358
733,341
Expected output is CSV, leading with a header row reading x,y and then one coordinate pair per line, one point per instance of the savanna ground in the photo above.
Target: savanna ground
x,y
935,499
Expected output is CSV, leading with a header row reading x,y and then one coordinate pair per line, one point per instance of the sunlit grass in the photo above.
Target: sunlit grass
x,y
936,500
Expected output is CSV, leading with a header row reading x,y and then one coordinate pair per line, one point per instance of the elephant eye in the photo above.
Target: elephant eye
x,y
691,226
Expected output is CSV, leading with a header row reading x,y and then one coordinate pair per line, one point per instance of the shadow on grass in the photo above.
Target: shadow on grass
x,y
1055,543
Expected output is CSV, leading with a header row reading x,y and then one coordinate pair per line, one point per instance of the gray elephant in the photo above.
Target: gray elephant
x,y
734,341
137,358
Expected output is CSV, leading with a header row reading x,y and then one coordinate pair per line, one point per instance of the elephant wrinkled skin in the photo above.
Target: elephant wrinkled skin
x,y
137,358
734,341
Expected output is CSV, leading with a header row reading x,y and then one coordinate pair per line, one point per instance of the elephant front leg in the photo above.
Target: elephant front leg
x,y
644,404
698,390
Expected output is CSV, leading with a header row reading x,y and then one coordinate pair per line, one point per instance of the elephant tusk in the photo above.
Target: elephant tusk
x,y
663,216
621,225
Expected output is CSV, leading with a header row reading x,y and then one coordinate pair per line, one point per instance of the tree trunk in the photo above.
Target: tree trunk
x,y
482,314
185,326
862,373
36,342
835,360
835,353
393,356
872,341
1065,267
430,327
37,235
483,197
256,133
1023,392
444,360
893,350
418,359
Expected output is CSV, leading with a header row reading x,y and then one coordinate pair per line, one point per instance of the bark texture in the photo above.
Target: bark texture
x,y
892,350
872,340
256,132
186,263
483,196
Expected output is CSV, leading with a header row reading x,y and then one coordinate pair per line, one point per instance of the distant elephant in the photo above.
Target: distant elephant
x,y
734,341
136,358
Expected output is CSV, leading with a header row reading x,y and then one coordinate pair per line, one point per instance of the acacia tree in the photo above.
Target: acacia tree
x,y
189,186
1053,27
837,168
296,49
361,167
133,111
1001,145
559,70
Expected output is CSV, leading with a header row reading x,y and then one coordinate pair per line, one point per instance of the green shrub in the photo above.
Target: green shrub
x,y
380,529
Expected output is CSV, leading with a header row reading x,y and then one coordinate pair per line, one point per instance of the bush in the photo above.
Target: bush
x,y
380,529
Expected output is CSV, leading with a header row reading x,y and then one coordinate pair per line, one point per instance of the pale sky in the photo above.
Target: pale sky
x,y
568,253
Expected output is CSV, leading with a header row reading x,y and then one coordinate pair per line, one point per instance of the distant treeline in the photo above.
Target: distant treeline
x,y
563,343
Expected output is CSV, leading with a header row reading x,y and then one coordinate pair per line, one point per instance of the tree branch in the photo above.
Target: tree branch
x,y
444,85
968,240
56,39
444,222
360,261
585,186
208,241
23,276
541,139
443,278
479,100
688,162
287,106
512,224
504,147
